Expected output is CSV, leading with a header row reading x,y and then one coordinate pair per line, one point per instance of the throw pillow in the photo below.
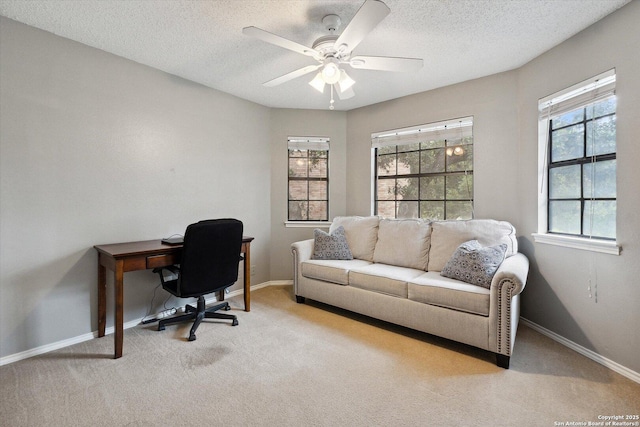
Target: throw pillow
x,y
331,245
475,264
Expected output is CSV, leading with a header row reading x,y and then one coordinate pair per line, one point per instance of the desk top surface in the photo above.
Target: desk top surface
x,y
146,247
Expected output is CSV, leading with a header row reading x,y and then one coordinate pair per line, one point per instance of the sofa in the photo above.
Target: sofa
x,y
432,276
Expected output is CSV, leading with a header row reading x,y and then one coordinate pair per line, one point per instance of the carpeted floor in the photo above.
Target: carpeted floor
x,y
290,364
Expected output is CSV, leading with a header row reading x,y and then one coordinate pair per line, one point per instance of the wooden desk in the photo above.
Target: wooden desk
x,y
133,256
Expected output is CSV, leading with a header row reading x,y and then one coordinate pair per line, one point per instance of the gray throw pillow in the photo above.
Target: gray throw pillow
x,y
475,264
331,246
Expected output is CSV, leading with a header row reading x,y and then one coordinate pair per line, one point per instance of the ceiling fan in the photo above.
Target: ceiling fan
x,y
334,50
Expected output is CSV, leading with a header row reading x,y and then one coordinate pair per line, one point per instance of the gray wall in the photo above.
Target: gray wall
x,y
489,100
504,107
284,123
556,296
98,149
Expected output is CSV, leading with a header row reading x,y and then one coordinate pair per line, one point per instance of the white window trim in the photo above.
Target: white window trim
x,y
319,143
307,224
542,236
451,129
594,245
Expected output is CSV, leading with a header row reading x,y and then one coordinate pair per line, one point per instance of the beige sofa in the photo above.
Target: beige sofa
x,y
395,276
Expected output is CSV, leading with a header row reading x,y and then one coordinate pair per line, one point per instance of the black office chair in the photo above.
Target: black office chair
x,y
210,258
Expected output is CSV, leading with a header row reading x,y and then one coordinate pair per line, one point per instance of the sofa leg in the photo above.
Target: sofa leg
x,y
299,299
502,361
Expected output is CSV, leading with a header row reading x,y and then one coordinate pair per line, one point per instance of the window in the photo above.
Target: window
x,y
425,171
308,179
578,156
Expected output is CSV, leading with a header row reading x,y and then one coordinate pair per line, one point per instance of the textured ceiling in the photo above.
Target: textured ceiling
x,y
202,40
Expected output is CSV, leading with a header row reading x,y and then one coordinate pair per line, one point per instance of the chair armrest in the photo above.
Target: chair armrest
x,y
160,271
172,268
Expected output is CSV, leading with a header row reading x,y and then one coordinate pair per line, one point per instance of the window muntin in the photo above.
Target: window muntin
x,y
582,171
425,172
308,179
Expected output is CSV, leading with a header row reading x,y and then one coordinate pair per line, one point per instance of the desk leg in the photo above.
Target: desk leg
x,y
247,278
119,303
102,298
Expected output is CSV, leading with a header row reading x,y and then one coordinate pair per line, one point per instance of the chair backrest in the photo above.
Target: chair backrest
x,y
210,256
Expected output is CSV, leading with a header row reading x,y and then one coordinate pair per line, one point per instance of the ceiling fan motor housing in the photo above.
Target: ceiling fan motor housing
x,y
326,45
331,23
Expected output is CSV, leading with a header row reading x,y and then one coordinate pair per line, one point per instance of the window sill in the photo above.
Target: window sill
x,y
307,224
594,245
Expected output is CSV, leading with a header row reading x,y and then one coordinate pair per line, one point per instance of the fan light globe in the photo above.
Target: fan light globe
x,y
331,73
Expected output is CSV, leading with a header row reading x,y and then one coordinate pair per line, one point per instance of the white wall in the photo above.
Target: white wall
x,y
284,123
97,149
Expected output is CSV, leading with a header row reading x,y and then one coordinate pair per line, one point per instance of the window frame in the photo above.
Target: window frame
x,y
578,96
308,144
449,134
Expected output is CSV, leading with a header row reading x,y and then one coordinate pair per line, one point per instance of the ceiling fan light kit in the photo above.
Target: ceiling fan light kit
x,y
318,82
332,51
331,71
345,81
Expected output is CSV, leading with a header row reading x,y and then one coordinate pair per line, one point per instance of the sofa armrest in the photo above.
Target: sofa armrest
x,y
302,251
512,272
504,308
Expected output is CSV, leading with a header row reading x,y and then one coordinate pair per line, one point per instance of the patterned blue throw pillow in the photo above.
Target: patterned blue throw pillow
x,y
475,264
331,246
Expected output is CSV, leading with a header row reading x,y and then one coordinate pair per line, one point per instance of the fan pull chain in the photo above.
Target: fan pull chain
x,y
332,100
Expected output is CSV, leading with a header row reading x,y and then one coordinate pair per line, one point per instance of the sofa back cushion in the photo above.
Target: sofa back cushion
x,y
362,234
404,243
446,236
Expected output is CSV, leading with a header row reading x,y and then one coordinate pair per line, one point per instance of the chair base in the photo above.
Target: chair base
x,y
197,314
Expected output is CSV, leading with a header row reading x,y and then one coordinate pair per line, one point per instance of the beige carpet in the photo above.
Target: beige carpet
x,y
290,364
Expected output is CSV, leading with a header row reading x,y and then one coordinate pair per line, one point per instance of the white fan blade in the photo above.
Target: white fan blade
x,y
292,75
280,41
365,20
349,93
385,63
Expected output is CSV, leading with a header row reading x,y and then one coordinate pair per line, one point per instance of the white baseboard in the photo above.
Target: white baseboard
x,y
111,329
616,367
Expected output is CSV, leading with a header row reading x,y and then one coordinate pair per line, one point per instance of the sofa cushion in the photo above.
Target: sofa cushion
x,y
362,234
403,242
475,264
383,278
446,236
332,245
432,288
334,271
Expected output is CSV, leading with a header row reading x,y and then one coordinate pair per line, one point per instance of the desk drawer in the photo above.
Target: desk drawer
x,y
162,260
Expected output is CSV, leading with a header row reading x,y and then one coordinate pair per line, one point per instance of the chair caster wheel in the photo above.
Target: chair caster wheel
x,y
160,327
192,337
235,322
227,307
